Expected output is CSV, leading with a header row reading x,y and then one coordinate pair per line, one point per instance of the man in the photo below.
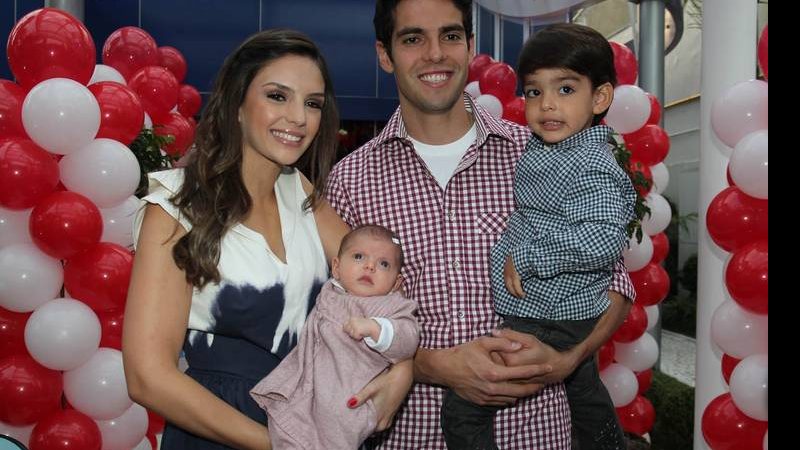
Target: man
x,y
440,176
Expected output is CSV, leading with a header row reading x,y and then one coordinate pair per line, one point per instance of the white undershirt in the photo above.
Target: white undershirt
x,y
442,160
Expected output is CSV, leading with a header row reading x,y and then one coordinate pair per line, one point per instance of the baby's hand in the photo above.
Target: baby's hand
x,y
361,327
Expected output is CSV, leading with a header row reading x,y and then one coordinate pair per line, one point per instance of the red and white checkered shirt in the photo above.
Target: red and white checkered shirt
x,y
446,238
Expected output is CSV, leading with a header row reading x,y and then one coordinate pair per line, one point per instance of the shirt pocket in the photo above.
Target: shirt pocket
x,y
491,222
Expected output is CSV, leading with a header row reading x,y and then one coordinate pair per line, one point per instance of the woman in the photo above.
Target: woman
x,y
234,249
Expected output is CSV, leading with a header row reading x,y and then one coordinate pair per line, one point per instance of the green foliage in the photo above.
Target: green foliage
x,y
673,402
640,183
147,149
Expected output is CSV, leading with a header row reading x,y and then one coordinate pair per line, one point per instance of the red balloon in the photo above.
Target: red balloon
x,y
28,174
763,52
638,416
28,390
155,423
625,64
655,109
734,219
479,65
605,355
660,247
11,98
645,378
634,325
638,166
649,144
747,277
68,429
12,333
514,110
651,284
179,127
129,49
64,223
99,276
728,364
726,428
171,58
49,43
111,328
189,100
499,80
157,88
153,441
121,111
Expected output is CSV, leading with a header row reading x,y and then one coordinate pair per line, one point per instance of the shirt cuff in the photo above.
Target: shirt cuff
x,y
385,338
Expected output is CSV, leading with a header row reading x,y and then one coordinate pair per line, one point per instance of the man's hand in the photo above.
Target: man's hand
x,y
469,369
361,327
512,279
534,351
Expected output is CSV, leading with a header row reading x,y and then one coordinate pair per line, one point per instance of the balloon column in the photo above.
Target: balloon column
x,y
67,180
493,84
737,221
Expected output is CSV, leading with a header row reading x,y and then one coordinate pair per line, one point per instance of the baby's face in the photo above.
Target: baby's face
x,y
368,266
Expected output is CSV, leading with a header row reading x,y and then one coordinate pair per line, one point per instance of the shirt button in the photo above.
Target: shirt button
x,y
460,314
456,264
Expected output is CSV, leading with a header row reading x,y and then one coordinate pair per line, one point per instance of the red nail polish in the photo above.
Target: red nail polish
x,y
352,402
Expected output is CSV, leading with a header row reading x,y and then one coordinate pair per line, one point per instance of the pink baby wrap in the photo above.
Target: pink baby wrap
x,y
306,395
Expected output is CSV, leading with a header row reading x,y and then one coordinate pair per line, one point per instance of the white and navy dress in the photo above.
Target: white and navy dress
x,y
241,328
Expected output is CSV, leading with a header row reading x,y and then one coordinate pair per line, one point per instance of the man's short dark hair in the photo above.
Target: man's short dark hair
x,y
384,20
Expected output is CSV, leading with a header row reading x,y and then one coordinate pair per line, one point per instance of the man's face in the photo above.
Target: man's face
x,y
431,53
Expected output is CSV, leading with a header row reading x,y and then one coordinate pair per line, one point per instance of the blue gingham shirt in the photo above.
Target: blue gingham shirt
x,y
573,204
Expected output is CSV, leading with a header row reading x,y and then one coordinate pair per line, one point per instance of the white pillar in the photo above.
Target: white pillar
x,y
729,56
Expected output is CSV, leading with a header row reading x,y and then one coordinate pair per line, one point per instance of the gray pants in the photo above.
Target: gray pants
x,y
595,426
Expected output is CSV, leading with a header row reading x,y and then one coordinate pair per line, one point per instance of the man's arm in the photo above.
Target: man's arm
x,y
535,352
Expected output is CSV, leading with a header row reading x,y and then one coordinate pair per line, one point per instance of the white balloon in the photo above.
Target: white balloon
x,y
738,332
638,355
118,221
749,164
20,433
652,316
660,177
62,334
61,115
473,88
125,431
491,104
103,72
765,439
105,171
97,387
28,277
749,386
638,254
629,110
14,226
148,122
660,214
741,110
621,383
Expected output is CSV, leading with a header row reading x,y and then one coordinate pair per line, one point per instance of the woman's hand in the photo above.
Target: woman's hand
x,y
387,391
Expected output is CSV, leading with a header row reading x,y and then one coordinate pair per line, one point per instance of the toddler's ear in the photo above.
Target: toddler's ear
x,y
603,96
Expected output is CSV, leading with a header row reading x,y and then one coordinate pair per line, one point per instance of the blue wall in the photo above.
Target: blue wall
x,y
205,31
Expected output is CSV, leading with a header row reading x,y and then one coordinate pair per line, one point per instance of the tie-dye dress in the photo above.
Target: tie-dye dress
x,y
240,329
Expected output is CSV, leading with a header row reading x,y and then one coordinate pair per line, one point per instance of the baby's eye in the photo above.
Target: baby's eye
x,y
385,265
358,256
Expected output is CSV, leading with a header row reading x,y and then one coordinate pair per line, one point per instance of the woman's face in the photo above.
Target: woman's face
x,y
282,110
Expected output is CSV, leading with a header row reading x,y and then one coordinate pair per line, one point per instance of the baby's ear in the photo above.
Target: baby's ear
x,y
335,267
398,283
